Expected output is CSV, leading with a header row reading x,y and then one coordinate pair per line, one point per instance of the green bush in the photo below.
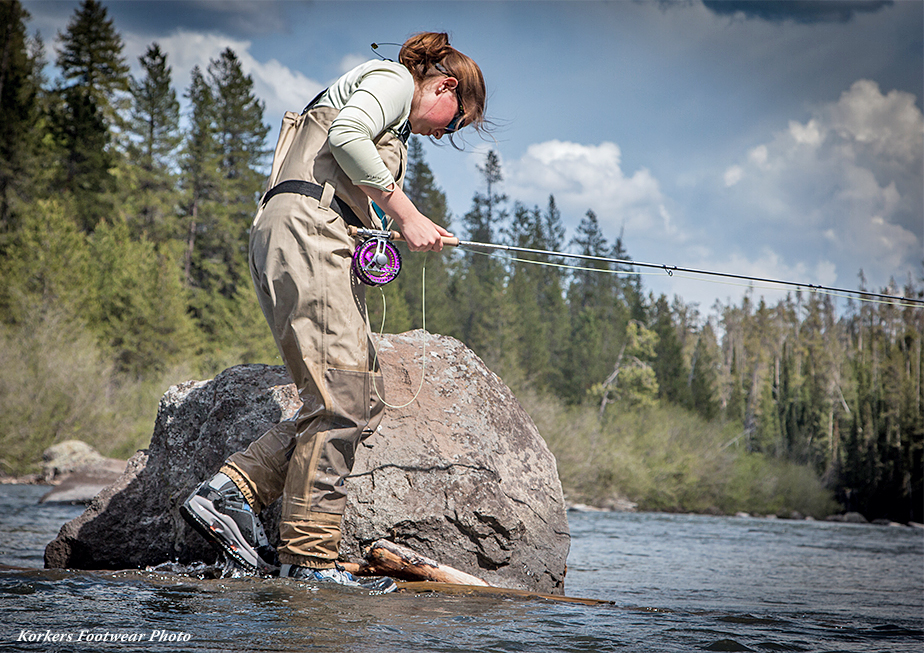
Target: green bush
x,y
59,385
669,459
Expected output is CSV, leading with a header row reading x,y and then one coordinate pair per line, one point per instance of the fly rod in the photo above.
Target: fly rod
x,y
377,261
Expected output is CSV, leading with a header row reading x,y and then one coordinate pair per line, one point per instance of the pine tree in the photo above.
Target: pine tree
x,y
528,341
551,284
19,112
240,131
704,374
588,286
734,406
486,218
670,367
90,57
630,285
224,153
479,283
155,137
539,315
200,164
83,139
599,316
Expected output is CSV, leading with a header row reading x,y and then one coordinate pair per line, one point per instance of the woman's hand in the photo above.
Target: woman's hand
x,y
419,231
422,234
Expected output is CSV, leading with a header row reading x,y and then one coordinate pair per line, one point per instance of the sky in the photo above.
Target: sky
x,y
780,139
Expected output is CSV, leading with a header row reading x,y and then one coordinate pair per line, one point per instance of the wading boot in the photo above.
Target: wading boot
x,y
340,576
221,514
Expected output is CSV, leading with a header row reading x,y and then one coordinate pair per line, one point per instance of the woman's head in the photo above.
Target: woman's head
x,y
429,56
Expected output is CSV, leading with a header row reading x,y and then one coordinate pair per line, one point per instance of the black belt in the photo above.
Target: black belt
x,y
310,189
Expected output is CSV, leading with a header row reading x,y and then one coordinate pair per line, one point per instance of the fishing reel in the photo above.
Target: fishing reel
x,y
376,261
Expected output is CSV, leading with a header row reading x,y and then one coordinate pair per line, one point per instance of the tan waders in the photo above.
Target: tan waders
x,y
300,256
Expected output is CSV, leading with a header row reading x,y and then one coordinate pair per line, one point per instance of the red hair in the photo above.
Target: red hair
x,y
429,53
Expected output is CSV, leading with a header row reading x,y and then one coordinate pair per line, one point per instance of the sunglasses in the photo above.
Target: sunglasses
x,y
456,123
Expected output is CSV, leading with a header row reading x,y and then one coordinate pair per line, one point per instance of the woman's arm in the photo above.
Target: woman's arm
x,y
381,98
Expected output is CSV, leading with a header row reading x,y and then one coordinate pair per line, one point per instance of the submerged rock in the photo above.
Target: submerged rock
x,y
460,474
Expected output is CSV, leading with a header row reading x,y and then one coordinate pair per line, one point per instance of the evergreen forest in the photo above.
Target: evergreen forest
x,y
123,256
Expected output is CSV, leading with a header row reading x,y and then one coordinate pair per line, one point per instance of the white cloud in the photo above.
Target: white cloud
x,y
808,134
758,156
845,186
733,175
280,87
890,125
590,177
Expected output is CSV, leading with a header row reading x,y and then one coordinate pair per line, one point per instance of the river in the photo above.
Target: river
x,y
675,583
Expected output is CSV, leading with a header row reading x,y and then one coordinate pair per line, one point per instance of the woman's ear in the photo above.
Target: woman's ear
x,y
448,84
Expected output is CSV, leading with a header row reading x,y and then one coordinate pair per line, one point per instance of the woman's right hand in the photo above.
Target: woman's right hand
x,y
419,231
422,234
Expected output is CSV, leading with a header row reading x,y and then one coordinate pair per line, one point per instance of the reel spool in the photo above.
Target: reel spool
x,y
376,261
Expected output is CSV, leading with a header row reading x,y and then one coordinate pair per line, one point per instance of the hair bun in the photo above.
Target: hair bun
x,y
424,50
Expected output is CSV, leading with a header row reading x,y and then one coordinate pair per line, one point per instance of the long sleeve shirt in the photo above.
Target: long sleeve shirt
x,y
373,97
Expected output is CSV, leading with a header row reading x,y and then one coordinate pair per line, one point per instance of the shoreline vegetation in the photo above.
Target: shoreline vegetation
x,y
606,498
665,459
123,254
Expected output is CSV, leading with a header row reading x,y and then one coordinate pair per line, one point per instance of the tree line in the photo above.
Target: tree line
x,y
123,238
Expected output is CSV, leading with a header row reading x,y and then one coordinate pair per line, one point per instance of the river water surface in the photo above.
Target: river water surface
x,y
675,583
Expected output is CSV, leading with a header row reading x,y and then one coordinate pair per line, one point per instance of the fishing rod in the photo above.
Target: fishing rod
x,y
377,261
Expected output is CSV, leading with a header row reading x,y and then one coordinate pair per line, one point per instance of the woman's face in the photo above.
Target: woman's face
x,y
435,105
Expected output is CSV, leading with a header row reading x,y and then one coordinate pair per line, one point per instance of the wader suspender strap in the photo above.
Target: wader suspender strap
x,y
311,189
313,102
314,190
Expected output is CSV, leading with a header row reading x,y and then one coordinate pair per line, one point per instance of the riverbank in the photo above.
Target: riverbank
x,y
74,472
847,518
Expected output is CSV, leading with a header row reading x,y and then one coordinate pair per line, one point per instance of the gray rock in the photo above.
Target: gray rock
x,y
460,474
77,471
849,518
82,485
66,457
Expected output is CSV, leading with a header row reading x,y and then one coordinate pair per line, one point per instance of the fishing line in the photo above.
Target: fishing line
x,y
377,271
423,369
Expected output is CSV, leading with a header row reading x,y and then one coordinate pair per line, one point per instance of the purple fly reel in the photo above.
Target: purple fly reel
x,y
376,261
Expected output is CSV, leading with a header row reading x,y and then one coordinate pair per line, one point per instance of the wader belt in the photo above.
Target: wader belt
x,y
314,190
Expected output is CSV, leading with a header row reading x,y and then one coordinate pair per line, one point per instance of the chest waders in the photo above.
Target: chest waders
x,y
300,261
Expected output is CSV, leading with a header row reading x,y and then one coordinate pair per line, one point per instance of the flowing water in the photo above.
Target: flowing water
x,y
676,583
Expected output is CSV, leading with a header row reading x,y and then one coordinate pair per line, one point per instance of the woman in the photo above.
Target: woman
x,y
345,151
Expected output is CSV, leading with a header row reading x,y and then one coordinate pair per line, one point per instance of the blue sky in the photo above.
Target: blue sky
x,y
782,139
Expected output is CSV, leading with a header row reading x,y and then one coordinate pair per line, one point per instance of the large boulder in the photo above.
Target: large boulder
x,y
459,474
